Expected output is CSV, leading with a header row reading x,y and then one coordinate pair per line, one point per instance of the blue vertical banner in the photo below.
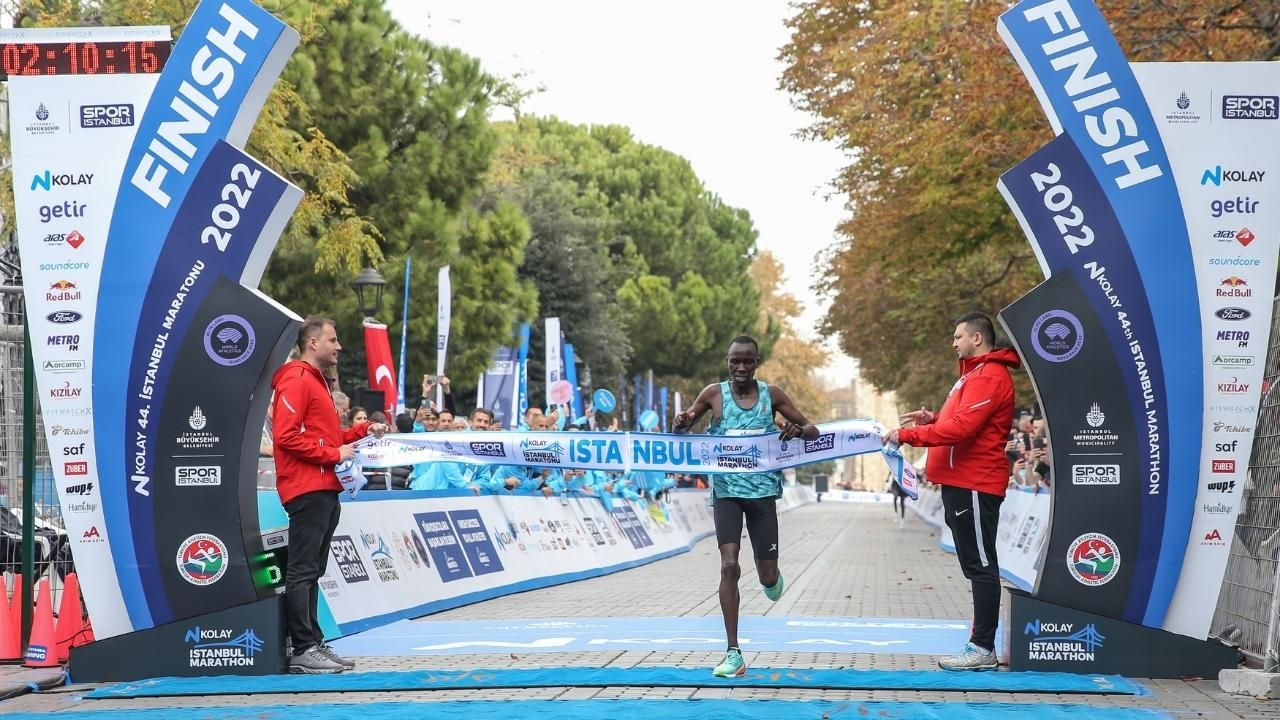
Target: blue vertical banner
x,y
522,377
571,374
404,335
662,402
637,389
1089,92
498,386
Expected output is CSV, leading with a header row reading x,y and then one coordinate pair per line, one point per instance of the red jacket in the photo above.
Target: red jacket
x,y
969,433
305,432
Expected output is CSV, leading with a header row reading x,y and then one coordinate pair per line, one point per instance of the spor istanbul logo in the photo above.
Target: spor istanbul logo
x,y
1057,336
202,559
1093,559
229,340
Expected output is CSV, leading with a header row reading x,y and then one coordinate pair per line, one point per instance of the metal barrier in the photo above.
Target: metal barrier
x,y
1248,611
52,550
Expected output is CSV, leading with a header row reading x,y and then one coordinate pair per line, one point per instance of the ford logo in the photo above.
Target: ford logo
x,y
62,317
1233,313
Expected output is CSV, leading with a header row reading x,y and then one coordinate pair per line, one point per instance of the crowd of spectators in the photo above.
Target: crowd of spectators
x,y
1028,452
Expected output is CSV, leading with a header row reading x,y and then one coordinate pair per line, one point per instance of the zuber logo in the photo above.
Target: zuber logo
x,y
76,468
1224,466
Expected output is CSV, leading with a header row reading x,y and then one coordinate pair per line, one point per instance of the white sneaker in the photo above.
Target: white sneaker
x,y
902,523
312,661
971,657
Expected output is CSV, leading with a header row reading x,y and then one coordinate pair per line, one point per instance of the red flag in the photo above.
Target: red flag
x,y
377,353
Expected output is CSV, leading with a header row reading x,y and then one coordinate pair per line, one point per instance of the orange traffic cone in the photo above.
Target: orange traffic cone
x,y
42,648
70,616
10,643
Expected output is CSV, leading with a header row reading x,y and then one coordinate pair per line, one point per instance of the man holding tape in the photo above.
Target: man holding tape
x,y
967,439
307,443
745,406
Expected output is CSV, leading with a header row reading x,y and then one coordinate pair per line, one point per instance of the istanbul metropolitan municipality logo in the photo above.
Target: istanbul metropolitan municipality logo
x,y
1093,559
229,340
202,559
1057,336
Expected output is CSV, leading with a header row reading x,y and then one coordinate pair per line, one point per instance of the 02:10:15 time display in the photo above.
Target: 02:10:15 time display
x,y
84,58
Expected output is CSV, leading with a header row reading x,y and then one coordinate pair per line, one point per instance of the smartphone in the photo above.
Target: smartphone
x,y
1038,443
431,379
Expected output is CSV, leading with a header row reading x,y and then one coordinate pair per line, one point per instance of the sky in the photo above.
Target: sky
x,y
697,78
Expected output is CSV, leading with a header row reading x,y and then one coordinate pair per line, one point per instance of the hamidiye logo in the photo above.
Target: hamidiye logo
x,y
1095,417
1093,559
202,559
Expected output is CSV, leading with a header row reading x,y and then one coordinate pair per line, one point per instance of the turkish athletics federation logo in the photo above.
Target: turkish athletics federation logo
x,y
1093,559
202,559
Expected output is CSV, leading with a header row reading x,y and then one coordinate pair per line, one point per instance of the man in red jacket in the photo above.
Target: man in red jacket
x,y
307,444
966,457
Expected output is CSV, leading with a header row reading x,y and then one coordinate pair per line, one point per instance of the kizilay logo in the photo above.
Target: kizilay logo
x,y
1061,642
222,647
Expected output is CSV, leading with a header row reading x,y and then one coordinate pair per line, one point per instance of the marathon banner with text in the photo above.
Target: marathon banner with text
x,y
191,208
1157,200
1222,131
1110,441
627,451
1089,93
71,124
1094,556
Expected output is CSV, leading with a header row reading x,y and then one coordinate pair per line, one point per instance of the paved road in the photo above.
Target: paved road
x,y
843,560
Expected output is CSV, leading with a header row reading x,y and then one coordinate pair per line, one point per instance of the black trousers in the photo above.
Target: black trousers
x,y
973,518
312,519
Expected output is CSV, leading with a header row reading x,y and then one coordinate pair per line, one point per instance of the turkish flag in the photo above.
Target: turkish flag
x,y
377,353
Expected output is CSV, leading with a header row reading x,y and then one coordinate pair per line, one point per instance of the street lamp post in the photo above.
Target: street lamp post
x,y
368,286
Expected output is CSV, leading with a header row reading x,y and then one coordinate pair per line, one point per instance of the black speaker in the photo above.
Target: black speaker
x,y
371,400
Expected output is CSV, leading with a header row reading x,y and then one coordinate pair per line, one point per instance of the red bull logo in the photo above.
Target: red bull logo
x,y
1234,287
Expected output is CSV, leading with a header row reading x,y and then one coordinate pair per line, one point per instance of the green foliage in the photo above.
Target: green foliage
x,y
669,281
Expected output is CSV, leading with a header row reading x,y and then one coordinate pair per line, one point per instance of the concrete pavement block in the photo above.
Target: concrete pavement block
x,y
1254,683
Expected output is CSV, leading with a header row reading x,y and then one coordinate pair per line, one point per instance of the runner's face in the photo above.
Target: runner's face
x,y
743,360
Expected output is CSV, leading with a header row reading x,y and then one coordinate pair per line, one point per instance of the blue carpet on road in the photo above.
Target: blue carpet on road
x,y
825,679
790,634
630,709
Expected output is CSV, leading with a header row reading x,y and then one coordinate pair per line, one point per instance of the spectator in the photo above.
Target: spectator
x,y
445,420
426,420
378,416
342,404
481,419
357,415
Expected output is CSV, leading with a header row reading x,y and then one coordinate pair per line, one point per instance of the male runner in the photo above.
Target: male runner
x,y
745,406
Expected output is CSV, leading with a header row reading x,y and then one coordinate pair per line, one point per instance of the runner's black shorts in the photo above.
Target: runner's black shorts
x,y
762,524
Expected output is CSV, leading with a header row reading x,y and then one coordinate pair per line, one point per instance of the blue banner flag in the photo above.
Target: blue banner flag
x,y
404,335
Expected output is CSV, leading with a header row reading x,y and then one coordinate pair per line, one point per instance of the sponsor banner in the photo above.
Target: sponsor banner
x,y
627,451
167,194
500,380
554,361
444,315
69,139
1089,93
1023,531
415,553
1228,174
